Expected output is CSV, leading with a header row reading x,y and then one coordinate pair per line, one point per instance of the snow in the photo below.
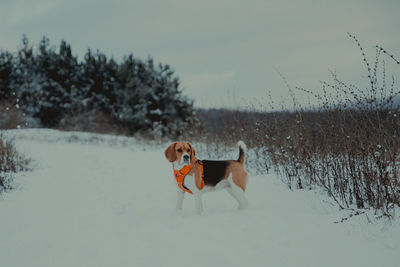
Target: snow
x,y
98,200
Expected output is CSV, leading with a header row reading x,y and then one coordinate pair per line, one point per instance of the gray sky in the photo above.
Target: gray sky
x,y
223,51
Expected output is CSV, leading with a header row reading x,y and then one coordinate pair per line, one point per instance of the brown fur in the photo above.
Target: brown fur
x,y
236,167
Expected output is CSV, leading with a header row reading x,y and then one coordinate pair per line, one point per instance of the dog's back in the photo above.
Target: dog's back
x,y
213,171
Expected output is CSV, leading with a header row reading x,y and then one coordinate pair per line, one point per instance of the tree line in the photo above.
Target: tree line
x,y
48,84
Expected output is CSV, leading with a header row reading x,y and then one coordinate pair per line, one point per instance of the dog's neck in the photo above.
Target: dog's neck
x,y
178,166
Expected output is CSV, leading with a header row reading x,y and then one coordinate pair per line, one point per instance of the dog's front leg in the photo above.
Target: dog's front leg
x,y
179,199
198,202
197,194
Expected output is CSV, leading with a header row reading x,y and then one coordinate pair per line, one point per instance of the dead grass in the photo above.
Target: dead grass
x,y
10,162
349,145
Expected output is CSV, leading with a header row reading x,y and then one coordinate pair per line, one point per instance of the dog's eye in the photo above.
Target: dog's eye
x,y
188,150
179,150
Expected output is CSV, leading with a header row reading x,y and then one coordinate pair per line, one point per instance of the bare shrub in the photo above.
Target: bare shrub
x,y
10,162
10,116
91,121
349,144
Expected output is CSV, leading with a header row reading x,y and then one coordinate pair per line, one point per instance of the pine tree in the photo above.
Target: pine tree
x,y
6,69
135,94
99,83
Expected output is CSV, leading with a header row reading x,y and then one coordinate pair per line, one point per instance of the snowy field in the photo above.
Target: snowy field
x,y
95,200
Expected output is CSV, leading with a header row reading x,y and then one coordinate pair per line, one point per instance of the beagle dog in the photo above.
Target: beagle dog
x,y
196,177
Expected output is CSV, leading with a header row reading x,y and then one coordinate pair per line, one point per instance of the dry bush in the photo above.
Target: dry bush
x,y
10,162
10,116
349,145
91,121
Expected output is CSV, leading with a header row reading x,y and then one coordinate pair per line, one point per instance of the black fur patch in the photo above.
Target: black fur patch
x,y
214,171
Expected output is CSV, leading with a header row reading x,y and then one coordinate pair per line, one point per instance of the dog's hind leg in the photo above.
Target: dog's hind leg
x,y
237,193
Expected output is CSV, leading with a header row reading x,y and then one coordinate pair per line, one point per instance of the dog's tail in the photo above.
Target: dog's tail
x,y
242,152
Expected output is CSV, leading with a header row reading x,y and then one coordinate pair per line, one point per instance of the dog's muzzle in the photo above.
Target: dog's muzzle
x,y
186,159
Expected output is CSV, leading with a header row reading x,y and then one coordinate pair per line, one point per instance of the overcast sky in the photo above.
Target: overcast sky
x,y
225,52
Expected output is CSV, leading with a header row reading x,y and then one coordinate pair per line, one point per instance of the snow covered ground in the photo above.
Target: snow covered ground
x,y
95,200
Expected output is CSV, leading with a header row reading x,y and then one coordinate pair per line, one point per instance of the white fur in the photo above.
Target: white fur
x,y
180,194
191,185
237,193
243,146
179,164
185,163
228,184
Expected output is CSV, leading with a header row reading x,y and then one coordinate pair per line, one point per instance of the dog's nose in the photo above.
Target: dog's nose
x,y
186,158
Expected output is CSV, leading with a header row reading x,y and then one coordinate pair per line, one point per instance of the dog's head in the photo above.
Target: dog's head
x,y
183,152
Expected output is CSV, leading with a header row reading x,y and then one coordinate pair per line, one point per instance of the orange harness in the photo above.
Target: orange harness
x,y
181,174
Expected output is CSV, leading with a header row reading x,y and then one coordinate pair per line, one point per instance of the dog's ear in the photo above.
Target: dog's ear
x,y
170,152
192,152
